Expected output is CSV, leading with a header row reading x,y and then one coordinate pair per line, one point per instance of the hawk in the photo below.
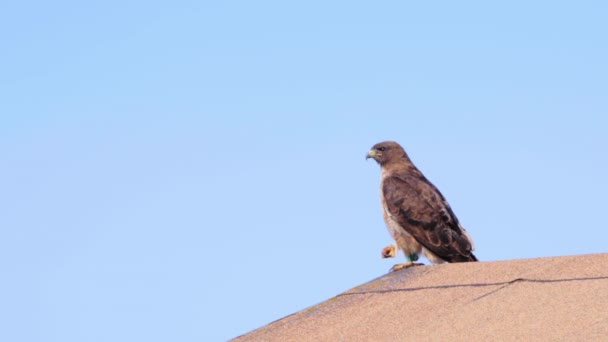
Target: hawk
x,y
416,213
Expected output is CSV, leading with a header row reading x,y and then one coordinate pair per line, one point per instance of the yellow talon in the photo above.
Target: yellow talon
x,y
406,265
389,251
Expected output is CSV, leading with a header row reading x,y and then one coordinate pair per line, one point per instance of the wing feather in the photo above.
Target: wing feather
x,y
418,206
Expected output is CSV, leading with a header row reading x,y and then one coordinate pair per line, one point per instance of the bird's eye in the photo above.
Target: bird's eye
x,y
381,148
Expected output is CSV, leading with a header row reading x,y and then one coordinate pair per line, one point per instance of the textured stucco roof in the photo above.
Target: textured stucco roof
x,y
556,298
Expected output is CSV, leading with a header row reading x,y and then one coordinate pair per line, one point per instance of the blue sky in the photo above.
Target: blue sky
x,y
190,171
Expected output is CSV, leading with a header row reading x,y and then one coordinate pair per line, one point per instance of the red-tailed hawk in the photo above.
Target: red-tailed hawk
x,y
416,213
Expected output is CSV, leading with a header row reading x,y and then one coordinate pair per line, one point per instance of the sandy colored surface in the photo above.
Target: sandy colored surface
x,y
544,299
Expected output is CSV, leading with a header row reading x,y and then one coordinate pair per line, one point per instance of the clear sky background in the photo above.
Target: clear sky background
x,y
190,171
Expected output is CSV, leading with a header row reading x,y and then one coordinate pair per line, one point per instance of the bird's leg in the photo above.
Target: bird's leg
x,y
405,265
410,262
389,251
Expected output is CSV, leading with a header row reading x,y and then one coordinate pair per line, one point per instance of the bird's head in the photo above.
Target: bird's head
x,y
386,151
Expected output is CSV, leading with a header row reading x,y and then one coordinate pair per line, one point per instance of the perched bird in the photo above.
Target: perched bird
x,y
416,213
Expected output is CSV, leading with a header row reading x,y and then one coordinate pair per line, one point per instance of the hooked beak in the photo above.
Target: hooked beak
x,y
372,154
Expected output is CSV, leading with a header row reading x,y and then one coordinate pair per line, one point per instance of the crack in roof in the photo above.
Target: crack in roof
x,y
505,283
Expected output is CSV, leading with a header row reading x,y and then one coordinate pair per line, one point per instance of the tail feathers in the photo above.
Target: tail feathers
x,y
464,258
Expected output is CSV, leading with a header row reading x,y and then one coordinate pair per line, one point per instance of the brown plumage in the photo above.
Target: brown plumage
x,y
416,213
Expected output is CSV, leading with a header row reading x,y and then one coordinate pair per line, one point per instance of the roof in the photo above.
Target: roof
x,y
553,298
